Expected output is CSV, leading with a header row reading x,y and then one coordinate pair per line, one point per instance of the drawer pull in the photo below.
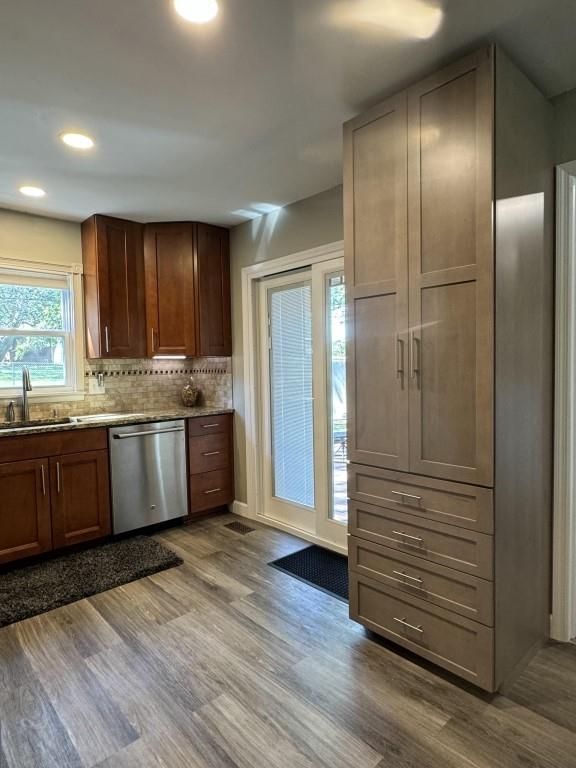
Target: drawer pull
x,y
407,496
209,426
406,576
214,490
408,536
410,626
211,453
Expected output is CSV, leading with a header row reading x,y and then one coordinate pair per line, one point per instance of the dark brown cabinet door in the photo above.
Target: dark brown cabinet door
x,y
213,290
25,528
80,492
450,119
376,234
113,287
169,279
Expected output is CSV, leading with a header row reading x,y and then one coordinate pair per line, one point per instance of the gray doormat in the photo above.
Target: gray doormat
x,y
34,589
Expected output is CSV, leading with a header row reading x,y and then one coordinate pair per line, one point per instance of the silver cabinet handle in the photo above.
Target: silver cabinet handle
x,y
211,453
399,357
148,432
107,338
407,624
414,355
406,576
153,345
408,536
209,426
58,482
407,495
43,480
214,490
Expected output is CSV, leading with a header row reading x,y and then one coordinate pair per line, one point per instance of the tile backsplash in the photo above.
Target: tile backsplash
x,y
133,385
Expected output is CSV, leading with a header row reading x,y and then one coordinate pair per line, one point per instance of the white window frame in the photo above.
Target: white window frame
x,y
74,338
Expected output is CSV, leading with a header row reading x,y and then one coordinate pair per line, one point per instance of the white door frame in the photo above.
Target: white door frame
x,y
250,277
563,624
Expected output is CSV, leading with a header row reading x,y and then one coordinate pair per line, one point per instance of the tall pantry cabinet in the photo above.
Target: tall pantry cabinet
x,y
448,230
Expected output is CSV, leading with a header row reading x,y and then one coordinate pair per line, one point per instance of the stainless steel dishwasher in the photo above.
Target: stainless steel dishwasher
x,y
148,467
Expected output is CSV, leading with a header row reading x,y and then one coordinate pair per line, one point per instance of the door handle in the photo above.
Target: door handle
x,y
58,480
399,357
148,432
43,480
415,362
153,345
107,338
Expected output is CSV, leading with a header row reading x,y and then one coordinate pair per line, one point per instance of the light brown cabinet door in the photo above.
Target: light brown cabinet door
x,y
80,492
169,280
375,206
450,150
213,291
113,287
25,528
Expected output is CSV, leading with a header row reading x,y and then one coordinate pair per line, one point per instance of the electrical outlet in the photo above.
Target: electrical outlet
x,y
96,385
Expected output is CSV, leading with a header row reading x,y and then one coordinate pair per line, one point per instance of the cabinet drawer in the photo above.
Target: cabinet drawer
x,y
38,446
209,452
209,425
211,489
448,545
459,592
455,503
445,638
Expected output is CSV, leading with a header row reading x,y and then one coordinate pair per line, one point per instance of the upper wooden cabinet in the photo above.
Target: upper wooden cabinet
x,y
214,335
113,287
420,263
156,289
170,295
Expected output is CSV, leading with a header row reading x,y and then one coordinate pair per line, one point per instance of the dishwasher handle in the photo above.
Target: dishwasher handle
x,y
147,432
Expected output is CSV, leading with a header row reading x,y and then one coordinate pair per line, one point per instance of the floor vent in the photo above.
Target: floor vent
x,y
239,528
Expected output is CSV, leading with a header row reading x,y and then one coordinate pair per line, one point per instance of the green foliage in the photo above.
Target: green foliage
x,y
24,307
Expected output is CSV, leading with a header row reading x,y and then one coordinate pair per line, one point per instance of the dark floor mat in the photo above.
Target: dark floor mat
x,y
35,589
318,567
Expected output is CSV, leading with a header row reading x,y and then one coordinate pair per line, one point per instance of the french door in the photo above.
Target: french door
x,y
303,401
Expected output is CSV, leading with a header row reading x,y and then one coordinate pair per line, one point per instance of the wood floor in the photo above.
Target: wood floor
x,y
228,663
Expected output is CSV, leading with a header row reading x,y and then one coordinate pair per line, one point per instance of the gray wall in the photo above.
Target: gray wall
x,y
565,129
305,224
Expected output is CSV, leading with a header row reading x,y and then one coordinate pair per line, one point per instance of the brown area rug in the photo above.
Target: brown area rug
x,y
34,589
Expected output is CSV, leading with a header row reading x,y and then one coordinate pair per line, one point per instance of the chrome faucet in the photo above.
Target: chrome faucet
x,y
26,387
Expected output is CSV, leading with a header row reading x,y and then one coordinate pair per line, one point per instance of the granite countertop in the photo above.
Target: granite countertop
x,y
143,417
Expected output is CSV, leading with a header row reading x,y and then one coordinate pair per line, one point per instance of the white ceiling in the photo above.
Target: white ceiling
x,y
195,122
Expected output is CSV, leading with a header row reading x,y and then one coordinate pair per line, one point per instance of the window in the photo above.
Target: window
x,y
37,331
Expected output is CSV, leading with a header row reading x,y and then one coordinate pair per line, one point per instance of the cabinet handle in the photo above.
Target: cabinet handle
x,y
43,480
406,576
209,426
408,536
107,338
410,626
214,490
211,453
407,495
414,355
152,339
399,357
58,482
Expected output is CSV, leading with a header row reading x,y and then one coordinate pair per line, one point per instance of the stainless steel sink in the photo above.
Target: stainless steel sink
x,y
37,424
106,417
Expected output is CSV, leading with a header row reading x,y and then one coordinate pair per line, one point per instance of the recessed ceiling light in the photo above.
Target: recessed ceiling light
x,y
198,11
77,140
32,191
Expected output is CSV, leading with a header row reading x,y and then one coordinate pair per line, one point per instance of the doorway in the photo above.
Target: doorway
x,y
302,403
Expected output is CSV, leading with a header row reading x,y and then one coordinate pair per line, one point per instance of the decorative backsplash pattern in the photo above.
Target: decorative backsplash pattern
x,y
141,385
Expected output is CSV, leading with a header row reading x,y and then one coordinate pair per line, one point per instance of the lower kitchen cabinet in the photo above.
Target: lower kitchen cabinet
x,y
210,461
25,526
54,492
80,498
